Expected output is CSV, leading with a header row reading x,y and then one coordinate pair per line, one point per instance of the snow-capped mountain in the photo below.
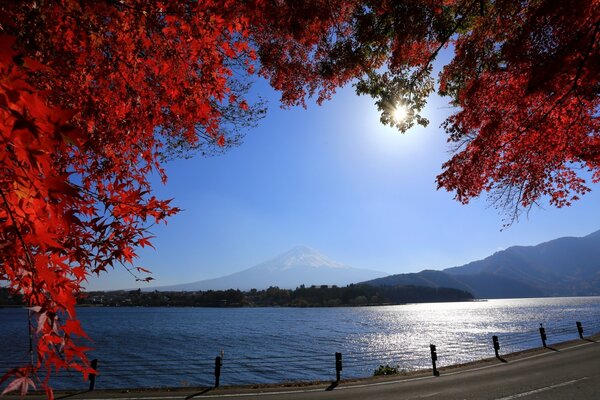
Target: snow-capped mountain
x,y
298,266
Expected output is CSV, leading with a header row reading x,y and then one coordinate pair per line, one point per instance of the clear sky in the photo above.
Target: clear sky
x,y
334,179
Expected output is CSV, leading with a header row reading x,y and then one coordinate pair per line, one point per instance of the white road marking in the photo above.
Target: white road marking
x,y
429,395
516,396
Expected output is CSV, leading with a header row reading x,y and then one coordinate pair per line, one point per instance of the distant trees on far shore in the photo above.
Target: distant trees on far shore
x,y
314,296
8,299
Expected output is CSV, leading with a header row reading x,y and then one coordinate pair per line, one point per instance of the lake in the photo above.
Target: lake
x,y
169,347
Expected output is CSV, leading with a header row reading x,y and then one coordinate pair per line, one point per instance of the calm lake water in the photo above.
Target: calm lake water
x,y
157,347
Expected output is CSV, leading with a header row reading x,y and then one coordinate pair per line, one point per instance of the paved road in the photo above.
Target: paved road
x,y
572,372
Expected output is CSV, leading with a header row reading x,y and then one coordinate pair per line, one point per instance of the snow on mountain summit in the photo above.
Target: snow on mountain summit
x,y
300,256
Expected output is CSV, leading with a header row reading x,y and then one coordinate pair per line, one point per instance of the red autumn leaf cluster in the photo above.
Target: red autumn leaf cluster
x,y
526,81
91,93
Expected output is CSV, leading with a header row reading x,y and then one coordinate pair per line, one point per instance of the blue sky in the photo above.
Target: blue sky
x,y
334,179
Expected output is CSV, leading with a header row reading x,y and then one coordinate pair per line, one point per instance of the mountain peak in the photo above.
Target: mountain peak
x,y
299,250
300,256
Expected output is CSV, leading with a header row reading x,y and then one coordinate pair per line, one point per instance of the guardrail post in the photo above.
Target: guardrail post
x,y
338,366
434,359
496,345
579,329
92,376
218,365
543,335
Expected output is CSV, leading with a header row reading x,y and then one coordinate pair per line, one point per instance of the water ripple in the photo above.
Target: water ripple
x,y
158,347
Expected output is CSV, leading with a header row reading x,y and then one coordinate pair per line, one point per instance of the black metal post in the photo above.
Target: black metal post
x,y
218,365
338,366
496,345
579,329
92,376
543,335
434,359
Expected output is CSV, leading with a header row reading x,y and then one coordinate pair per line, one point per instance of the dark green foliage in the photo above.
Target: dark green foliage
x,y
315,296
7,299
387,370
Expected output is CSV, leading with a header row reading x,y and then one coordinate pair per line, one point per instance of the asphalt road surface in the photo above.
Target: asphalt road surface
x,y
568,372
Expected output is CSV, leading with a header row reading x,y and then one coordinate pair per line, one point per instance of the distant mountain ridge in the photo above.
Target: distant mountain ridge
x,y
567,266
298,266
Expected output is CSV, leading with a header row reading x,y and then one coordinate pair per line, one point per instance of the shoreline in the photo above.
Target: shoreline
x,y
295,386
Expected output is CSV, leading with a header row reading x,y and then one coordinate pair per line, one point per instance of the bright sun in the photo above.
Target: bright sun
x,y
400,113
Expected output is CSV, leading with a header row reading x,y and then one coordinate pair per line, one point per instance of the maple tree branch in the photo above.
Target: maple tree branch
x,y
574,85
157,12
137,278
108,203
31,264
444,42
17,231
531,122
333,18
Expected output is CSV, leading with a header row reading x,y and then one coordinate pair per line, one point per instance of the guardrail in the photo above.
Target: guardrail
x,y
241,370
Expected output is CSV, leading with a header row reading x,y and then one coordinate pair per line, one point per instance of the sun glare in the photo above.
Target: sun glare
x,y
400,113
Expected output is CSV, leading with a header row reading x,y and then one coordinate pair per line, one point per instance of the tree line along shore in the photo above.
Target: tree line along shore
x,y
302,296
